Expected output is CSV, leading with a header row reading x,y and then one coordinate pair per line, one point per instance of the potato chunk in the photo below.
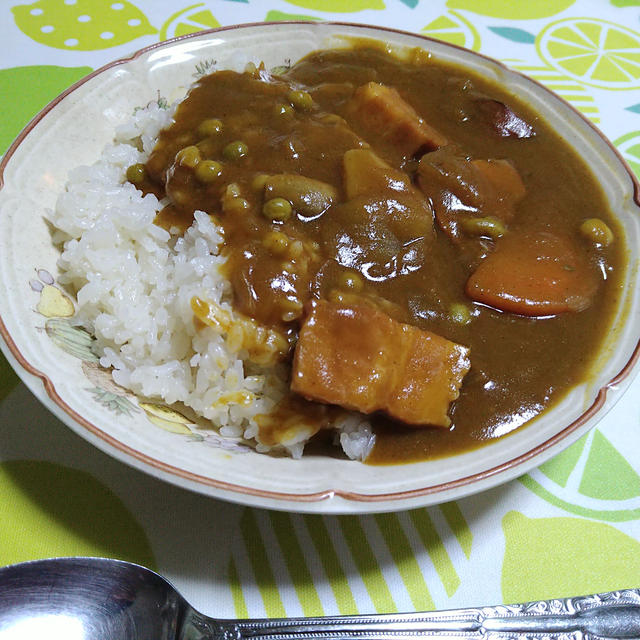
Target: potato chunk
x,y
309,197
365,173
381,111
359,358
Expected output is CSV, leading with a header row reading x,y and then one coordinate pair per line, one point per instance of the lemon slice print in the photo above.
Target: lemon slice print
x,y
595,52
629,146
591,478
82,25
191,19
455,29
568,88
510,10
339,6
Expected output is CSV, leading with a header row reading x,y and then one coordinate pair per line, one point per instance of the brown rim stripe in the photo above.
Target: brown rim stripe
x,y
328,493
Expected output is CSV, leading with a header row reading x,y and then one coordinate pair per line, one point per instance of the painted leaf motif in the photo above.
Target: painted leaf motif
x,y
73,340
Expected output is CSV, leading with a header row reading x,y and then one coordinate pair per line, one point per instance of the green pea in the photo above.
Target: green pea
x,y
277,209
136,173
236,206
188,157
210,127
235,150
208,171
284,110
276,242
459,313
351,281
489,226
301,100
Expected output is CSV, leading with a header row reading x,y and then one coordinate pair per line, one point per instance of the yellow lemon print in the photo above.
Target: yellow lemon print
x,y
510,10
455,29
591,477
568,88
561,557
595,52
191,19
82,25
339,6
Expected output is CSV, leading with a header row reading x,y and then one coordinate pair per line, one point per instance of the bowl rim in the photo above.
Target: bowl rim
x,y
476,482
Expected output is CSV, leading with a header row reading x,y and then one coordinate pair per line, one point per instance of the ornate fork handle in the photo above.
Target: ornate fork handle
x,y
610,616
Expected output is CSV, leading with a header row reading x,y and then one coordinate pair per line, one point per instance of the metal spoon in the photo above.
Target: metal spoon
x,y
100,599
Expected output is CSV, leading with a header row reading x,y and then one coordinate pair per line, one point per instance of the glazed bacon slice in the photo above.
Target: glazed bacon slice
x,y
359,358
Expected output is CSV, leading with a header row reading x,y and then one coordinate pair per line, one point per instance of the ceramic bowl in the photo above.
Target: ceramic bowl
x,y
74,128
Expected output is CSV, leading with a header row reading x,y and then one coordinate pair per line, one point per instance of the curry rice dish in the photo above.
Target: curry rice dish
x,y
395,254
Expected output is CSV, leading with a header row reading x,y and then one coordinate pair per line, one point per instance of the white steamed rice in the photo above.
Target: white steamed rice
x,y
134,284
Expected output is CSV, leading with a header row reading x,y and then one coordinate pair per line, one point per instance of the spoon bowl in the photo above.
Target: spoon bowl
x,y
103,599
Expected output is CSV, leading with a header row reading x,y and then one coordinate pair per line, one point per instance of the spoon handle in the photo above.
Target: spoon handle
x,y
610,615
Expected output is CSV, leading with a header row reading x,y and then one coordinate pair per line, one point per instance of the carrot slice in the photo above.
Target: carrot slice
x,y
359,358
534,274
382,111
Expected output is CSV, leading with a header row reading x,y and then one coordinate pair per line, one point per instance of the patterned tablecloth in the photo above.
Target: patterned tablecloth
x,y
570,526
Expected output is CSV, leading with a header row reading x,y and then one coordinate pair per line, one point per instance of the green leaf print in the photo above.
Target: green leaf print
x,y
26,90
516,35
83,25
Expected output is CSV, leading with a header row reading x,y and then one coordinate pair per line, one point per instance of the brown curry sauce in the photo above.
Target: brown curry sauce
x,y
414,271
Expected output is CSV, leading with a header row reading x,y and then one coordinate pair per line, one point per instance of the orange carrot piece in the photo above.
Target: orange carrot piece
x,y
381,110
361,359
534,274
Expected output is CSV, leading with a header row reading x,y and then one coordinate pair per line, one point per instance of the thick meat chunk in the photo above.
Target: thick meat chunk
x,y
503,119
380,111
463,190
359,358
